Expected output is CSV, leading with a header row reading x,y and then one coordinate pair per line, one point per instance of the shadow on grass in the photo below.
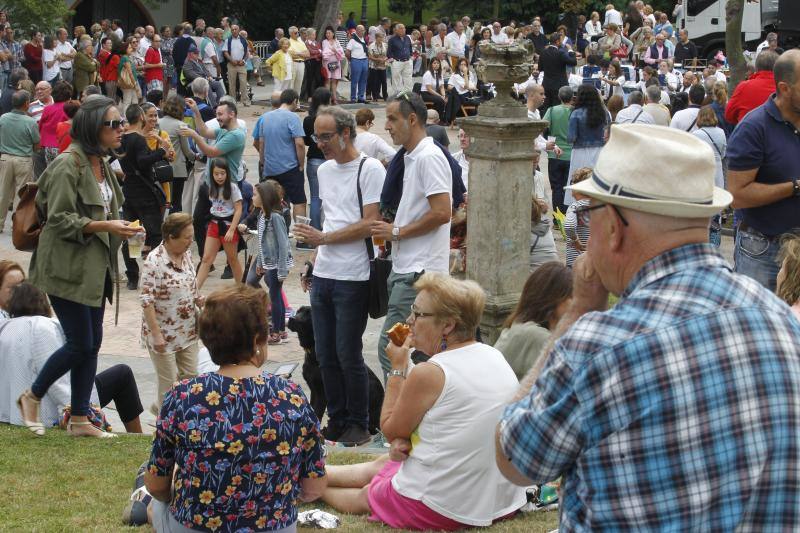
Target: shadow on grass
x,y
59,483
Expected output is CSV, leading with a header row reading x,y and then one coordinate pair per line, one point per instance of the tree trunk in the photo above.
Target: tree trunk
x,y
363,10
734,11
496,9
325,14
418,12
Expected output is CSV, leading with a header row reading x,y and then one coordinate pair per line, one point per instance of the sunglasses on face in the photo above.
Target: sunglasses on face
x,y
115,124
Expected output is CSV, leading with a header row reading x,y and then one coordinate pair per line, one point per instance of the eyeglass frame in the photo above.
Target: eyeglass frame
x,y
417,314
582,213
323,138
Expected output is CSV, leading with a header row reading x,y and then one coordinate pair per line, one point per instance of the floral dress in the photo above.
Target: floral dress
x,y
166,55
241,446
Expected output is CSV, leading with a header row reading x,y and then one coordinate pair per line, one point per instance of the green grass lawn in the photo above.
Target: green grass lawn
x,y
59,483
372,12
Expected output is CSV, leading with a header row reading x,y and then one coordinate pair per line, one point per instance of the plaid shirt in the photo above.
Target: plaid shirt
x,y
678,409
17,55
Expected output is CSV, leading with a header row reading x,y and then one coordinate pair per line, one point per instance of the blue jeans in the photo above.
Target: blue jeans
x,y
358,79
339,315
756,256
313,185
83,329
401,295
275,294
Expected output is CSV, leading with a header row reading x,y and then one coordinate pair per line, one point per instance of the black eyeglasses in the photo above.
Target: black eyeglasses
x,y
115,124
418,314
405,95
323,138
582,213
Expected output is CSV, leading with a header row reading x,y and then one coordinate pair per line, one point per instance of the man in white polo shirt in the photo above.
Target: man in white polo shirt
x,y
65,53
456,45
350,185
420,233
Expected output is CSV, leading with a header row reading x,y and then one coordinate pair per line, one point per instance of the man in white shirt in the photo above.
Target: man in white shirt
x,y
146,41
116,26
350,185
461,156
634,113
686,119
236,54
420,233
456,45
498,35
65,53
612,16
208,54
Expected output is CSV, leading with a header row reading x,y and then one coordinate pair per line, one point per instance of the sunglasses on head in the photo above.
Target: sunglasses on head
x,y
115,124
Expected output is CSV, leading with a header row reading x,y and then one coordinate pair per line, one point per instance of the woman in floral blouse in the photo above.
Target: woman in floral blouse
x,y
239,446
169,295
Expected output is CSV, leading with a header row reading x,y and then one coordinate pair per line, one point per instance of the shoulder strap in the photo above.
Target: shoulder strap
x,y
692,125
637,116
368,240
712,142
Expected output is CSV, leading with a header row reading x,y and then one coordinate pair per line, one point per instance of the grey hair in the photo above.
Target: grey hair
x,y
565,93
293,28
88,123
20,98
766,60
311,30
636,97
653,94
227,99
442,26
199,86
342,118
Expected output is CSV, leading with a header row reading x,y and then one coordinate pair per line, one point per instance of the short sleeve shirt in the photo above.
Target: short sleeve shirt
x,y
222,208
279,129
356,49
153,57
338,192
231,144
18,134
241,448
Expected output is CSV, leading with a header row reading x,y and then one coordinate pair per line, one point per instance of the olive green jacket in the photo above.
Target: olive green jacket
x,y
68,263
84,72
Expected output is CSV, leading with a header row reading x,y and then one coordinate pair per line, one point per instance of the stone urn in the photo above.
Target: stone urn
x,y
504,65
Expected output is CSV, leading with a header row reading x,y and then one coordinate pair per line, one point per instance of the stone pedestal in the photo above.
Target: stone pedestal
x,y
500,185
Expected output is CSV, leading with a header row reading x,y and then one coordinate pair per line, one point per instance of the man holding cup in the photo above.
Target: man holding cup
x,y
350,185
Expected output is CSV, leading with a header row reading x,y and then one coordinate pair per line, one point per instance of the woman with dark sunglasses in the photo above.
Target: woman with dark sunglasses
x,y
75,261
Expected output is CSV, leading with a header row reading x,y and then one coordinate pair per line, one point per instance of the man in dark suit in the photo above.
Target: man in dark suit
x,y
553,63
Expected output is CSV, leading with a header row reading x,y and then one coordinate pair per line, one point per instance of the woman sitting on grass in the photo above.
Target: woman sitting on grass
x,y
440,418
545,297
239,446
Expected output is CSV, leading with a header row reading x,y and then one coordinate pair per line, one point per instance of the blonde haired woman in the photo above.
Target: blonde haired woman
x,y
788,281
440,417
282,66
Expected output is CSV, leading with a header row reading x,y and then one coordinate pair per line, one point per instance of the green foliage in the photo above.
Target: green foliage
x,y
414,7
42,15
259,17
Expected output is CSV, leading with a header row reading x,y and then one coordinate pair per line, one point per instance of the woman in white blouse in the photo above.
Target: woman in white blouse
x,y
463,86
370,143
593,27
433,86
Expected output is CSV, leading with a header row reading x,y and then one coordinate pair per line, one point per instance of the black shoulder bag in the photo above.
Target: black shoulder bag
x,y
379,267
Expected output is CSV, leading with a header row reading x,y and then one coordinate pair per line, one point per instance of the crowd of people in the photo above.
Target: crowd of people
x,y
677,407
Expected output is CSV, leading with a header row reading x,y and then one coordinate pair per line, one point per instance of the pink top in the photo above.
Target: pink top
x,y
51,116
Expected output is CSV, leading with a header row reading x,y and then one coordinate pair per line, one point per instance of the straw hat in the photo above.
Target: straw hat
x,y
656,170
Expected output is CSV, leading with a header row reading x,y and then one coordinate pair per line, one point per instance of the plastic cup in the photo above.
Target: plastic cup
x,y
377,241
135,245
299,219
551,139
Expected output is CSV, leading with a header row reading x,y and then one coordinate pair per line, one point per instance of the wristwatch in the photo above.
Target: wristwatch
x,y
395,233
395,372
795,188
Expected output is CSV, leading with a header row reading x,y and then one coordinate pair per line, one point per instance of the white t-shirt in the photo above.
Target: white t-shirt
x,y
499,38
463,162
220,207
289,67
210,52
119,33
144,44
456,44
427,172
338,192
374,146
64,48
51,72
356,50
237,50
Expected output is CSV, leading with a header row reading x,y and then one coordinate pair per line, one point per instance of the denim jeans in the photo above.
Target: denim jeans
x,y
756,256
358,79
275,294
558,172
339,315
313,186
83,329
401,296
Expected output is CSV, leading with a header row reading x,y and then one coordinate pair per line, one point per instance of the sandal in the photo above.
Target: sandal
x,y
100,435
35,427
274,338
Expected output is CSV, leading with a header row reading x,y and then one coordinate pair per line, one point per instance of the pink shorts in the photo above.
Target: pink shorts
x,y
397,511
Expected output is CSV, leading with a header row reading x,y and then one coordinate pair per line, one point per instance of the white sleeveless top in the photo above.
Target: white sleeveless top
x,y
452,466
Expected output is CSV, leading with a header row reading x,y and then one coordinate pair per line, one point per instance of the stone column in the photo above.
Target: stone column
x,y
500,185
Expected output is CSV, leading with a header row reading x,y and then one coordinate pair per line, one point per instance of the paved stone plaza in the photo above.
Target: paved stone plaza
x,y
121,342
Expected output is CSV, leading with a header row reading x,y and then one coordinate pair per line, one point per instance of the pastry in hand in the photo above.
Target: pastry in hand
x,y
398,333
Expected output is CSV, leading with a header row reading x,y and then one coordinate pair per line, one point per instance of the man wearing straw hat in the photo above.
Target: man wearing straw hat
x,y
679,407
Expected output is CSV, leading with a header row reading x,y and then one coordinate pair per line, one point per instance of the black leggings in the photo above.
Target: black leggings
x,y
437,101
117,384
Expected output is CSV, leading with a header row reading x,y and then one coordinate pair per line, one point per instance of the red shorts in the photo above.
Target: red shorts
x,y
397,511
213,232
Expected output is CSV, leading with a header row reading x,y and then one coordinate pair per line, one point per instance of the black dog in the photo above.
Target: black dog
x,y
301,324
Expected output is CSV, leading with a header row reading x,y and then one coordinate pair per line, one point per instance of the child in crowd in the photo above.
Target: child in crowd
x,y
788,281
577,232
274,258
226,210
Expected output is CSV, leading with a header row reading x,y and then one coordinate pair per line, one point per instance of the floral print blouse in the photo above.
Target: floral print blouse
x,y
172,290
241,447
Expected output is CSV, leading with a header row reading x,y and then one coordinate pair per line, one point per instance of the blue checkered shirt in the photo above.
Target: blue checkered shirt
x,y
677,410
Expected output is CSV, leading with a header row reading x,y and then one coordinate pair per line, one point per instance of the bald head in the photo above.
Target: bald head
x,y
275,99
787,68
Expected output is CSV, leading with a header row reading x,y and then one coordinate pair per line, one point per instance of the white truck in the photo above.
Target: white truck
x,y
705,21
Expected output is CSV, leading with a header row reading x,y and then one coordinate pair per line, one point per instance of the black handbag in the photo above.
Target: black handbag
x,y
379,267
162,171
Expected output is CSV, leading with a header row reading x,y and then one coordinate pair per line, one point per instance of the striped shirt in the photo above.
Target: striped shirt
x,y
575,231
678,409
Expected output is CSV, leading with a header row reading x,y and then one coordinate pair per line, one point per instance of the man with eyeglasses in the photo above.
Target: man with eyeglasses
x,y
658,52
350,185
154,65
420,231
686,393
498,35
283,151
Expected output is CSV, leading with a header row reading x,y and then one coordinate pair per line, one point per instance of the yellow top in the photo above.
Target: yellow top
x,y
297,46
277,62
